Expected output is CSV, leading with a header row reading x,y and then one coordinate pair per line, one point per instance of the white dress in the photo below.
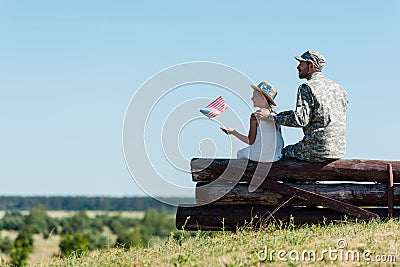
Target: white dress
x,y
267,146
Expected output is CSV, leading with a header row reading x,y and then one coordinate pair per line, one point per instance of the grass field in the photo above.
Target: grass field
x,y
45,248
345,244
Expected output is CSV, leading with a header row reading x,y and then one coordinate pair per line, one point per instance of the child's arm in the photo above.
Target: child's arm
x,y
253,129
252,132
233,132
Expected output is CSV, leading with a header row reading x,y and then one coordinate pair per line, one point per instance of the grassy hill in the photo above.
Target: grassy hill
x,y
342,244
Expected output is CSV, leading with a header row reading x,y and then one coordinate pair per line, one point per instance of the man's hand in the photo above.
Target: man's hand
x,y
262,114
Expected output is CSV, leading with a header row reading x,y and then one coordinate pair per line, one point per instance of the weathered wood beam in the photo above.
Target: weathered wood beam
x,y
356,194
295,170
217,217
311,197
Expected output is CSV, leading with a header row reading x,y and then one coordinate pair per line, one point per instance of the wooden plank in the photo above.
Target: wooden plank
x,y
356,194
216,217
294,170
309,197
312,197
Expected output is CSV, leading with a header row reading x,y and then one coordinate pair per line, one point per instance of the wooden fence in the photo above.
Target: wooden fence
x,y
307,192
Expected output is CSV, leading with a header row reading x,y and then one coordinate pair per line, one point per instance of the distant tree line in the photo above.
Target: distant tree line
x,y
86,203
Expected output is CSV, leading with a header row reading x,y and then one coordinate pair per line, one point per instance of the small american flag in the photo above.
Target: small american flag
x,y
214,108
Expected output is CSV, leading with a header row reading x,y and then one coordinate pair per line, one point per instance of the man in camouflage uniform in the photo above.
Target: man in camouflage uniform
x,y
320,111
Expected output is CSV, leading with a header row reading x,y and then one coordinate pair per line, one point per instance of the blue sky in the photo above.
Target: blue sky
x,y
68,71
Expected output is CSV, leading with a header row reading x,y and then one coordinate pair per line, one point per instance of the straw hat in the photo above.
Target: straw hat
x,y
268,90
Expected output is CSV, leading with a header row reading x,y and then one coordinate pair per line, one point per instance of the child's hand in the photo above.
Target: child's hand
x,y
227,130
253,117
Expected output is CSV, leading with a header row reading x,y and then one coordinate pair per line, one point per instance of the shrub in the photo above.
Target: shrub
x,y
22,247
13,220
158,223
5,245
77,223
138,237
96,239
118,224
76,243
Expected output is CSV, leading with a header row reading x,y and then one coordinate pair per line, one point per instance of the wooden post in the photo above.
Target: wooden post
x,y
390,192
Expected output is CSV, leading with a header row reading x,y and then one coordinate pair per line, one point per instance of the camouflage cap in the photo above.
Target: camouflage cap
x,y
314,57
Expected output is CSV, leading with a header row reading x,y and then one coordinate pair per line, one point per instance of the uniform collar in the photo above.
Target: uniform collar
x,y
316,75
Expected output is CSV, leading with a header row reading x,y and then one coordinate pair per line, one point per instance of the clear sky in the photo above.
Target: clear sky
x,y
69,69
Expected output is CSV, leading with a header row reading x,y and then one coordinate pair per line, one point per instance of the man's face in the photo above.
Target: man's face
x,y
303,69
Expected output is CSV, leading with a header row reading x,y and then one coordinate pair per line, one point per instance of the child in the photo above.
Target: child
x,y
265,137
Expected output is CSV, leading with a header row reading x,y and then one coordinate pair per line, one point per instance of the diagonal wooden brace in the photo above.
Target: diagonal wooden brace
x,y
312,197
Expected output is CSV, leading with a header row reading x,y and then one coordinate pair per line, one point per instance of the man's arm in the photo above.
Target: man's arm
x,y
300,117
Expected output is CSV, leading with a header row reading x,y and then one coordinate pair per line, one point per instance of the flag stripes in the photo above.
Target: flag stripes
x,y
215,108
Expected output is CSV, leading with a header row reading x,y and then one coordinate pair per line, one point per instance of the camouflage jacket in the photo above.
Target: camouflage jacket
x,y
321,112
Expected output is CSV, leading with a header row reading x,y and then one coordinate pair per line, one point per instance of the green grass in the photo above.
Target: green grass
x,y
44,249
246,247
